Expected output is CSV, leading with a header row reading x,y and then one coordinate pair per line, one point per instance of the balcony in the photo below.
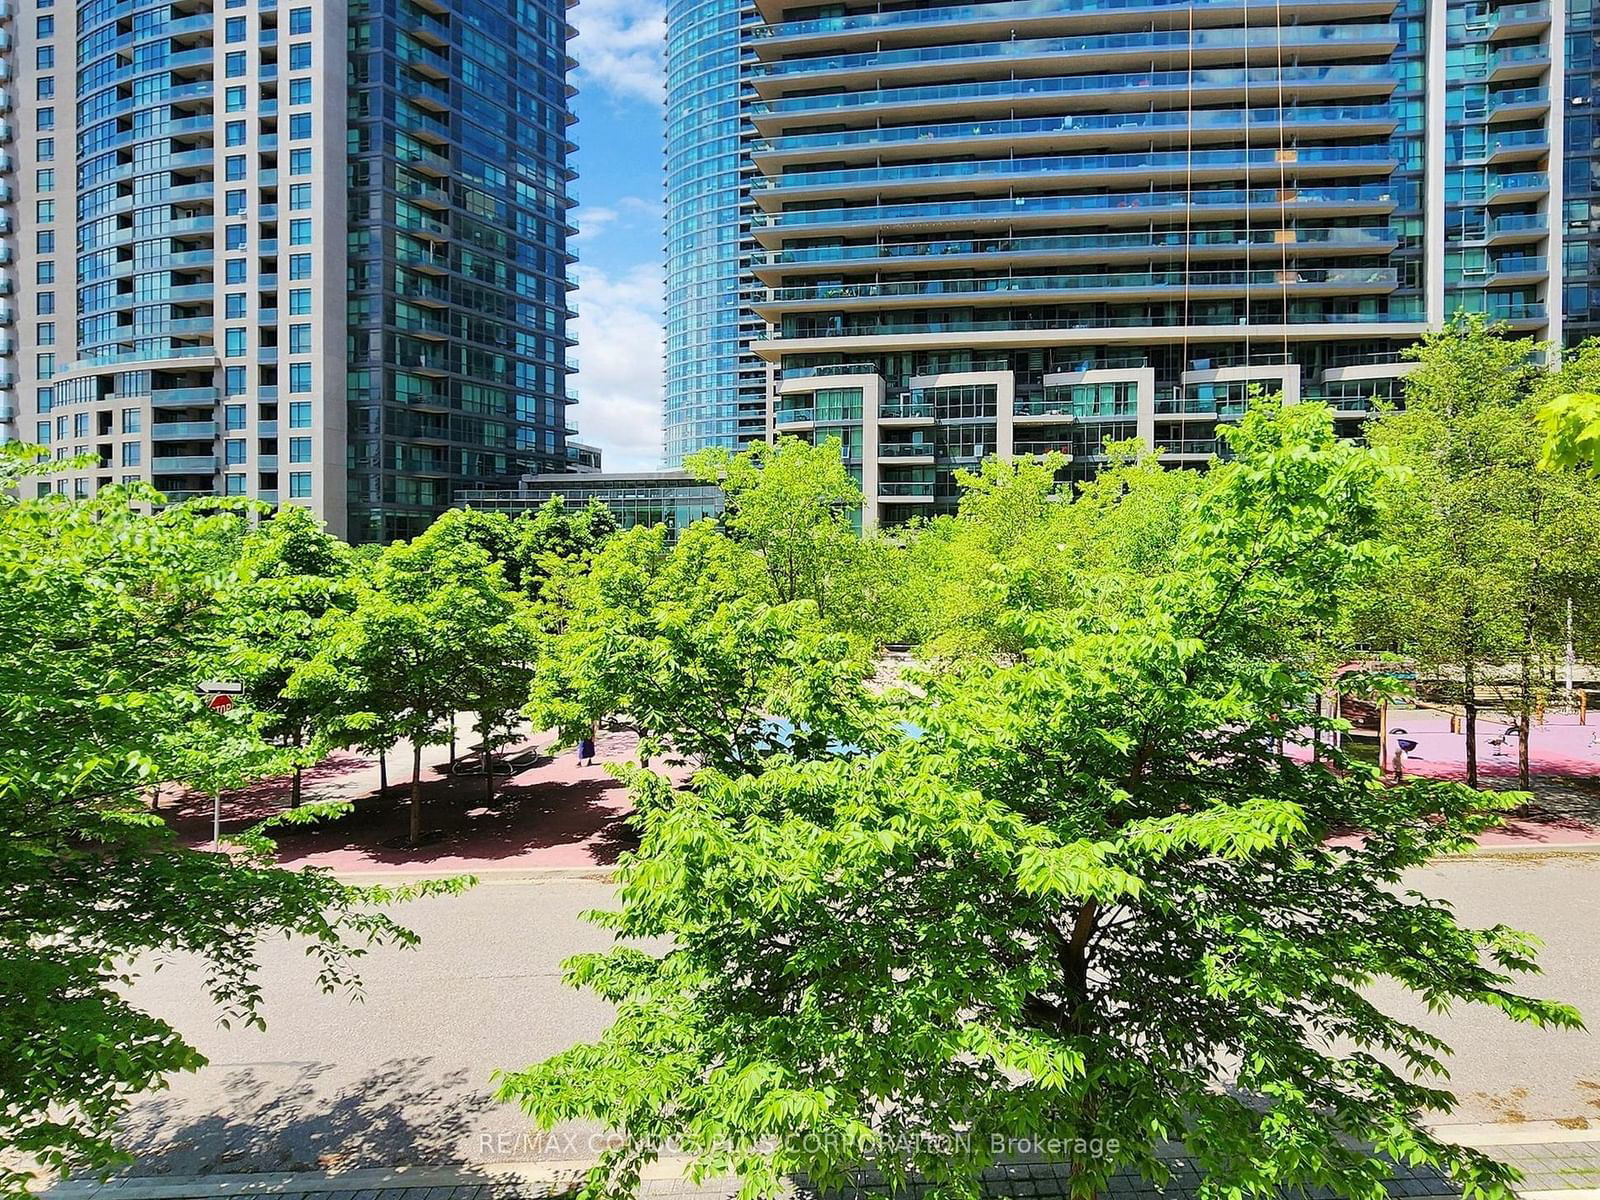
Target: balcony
x,y
900,493
791,418
185,464
172,430
905,412
902,451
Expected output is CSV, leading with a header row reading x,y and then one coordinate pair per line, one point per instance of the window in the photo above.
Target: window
x,y
80,425
235,29
299,195
233,415
299,485
236,343
236,202
46,27
233,451
132,420
300,339
44,365
130,454
234,64
41,432
44,88
300,56
300,231
45,180
46,241
234,270
234,166
44,398
299,91
236,237
299,301
47,333
44,303
300,161
233,381
299,378
233,132
299,266
235,98
299,449
44,211
300,127
45,149
233,485
299,21
233,304
44,272
299,414
44,58
44,118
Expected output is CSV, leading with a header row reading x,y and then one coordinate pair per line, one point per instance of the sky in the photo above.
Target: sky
x,y
619,243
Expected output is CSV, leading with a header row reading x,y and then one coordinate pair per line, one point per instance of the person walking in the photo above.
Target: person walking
x,y
586,749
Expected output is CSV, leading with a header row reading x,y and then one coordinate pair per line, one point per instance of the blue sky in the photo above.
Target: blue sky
x,y
619,135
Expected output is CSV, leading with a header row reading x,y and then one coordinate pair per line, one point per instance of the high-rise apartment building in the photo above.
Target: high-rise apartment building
x,y
310,252
1012,226
716,387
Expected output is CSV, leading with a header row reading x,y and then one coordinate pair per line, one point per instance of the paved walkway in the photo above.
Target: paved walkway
x,y
1566,1167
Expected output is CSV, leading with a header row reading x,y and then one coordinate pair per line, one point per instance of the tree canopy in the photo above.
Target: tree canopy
x,y
109,622
1083,892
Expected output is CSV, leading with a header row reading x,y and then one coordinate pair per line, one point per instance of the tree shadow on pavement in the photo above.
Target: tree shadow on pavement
x,y
399,1114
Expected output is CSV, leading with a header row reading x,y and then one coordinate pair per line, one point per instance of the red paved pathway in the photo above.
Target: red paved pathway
x,y
557,814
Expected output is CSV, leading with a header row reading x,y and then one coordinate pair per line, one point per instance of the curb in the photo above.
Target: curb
x,y
1487,1135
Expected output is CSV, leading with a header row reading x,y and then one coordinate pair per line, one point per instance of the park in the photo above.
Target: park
x,y
1092,862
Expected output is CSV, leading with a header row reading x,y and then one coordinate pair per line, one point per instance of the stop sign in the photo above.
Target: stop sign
x,y
221,702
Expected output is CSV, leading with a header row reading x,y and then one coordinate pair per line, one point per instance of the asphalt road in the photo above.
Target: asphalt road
x,y
404,1076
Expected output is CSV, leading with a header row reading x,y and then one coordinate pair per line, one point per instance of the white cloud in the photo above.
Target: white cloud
x,y
594,219
621,45
620,344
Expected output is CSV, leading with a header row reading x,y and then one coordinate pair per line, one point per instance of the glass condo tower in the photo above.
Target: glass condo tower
x,y
310,253
1014,226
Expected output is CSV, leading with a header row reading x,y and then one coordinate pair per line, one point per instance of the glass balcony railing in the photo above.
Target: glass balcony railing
x,y
1378,158
875,22
794,416
1405,310
1295,37
1353,277
1311,114
1371,238
1381,76
905,410
896,488
1370,195
906,450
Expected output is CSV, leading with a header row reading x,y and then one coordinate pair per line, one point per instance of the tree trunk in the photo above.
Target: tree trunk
x,y
416,792
1525,700
488,771
294,789
383,774
1470,702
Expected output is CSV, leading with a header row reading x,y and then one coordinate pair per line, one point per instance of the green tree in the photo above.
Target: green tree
x,y
796,506
109,619
1492,548
292,574
687,642
1571,423
1078,895
430,628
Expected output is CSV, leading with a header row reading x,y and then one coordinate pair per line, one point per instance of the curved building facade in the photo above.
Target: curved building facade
x,y
715,386
1018,226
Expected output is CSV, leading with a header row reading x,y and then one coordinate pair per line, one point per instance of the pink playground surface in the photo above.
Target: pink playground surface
x,y
555,813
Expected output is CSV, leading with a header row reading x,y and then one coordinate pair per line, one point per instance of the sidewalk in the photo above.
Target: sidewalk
x,y
1557,1163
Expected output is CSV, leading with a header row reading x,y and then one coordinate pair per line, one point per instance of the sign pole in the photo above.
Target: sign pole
x,y
216,820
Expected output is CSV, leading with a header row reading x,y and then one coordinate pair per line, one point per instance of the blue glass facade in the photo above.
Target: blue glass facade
x,y
308,253
715,388
459,219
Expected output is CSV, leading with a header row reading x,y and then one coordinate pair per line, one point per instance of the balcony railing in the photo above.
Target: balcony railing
x,y
1353,277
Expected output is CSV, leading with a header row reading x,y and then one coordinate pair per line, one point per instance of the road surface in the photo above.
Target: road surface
x,y
404,1077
